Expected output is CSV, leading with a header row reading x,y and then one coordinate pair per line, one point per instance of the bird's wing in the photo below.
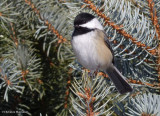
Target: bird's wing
x,y
108,44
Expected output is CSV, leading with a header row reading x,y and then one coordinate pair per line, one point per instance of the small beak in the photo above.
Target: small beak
x,y
76,25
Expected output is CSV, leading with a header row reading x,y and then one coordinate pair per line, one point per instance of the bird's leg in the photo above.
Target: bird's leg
x,y
97,70
91,73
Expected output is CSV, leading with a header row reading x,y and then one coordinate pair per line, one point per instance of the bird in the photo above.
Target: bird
x,y
93,50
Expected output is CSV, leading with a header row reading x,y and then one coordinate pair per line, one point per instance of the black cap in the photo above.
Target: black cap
x,y
83,18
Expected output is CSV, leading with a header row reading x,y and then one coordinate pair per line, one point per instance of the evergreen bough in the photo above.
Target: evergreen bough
x,y
39,74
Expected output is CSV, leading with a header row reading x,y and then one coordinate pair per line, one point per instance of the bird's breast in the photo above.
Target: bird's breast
x,y
91,51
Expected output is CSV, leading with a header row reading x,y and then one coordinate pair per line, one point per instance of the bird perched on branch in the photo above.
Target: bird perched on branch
x,y
93,50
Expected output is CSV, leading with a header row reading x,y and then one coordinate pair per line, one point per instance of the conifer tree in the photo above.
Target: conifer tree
x,y
40,76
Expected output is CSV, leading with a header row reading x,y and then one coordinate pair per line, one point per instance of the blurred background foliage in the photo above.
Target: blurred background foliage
x,y
40,76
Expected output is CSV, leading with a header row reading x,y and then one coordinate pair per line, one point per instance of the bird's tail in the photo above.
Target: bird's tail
x,y
118,80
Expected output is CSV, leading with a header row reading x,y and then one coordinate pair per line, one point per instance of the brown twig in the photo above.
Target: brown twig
x,y
154,19
67,88
50,27
88,99
14,38
47,23
141,83
132,81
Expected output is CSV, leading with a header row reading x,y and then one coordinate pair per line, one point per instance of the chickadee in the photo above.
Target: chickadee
x,y
93,50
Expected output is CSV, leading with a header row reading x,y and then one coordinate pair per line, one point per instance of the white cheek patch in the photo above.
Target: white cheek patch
x,y
94,23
